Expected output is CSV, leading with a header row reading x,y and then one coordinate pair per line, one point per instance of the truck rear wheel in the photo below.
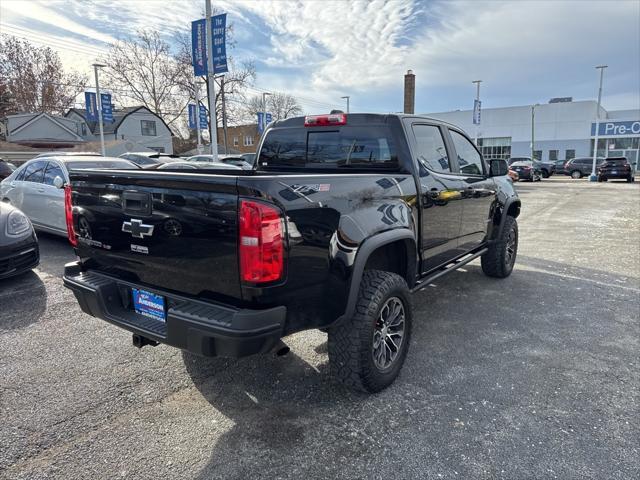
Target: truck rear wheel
x,y
367,351
499,260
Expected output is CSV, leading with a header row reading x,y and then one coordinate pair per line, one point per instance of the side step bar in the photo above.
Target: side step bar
x,y
424,281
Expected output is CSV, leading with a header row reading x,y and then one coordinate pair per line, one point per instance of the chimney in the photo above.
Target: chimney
x,y
409,92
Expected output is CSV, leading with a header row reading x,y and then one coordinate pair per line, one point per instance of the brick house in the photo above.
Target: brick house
x,y
241,137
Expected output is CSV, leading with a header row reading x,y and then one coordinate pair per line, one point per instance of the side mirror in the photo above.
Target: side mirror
x,y
58,182
498,167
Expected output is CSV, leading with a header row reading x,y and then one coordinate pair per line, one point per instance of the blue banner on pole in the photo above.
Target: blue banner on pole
x,y
91,106
218,32
264,119
476,112
192,117
107,108
199,47
260,123
203,117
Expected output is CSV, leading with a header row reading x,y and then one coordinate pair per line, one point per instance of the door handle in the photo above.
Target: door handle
x,y
41,190
12,184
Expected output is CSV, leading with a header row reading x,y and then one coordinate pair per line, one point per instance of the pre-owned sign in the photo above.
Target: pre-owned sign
x,y
615,129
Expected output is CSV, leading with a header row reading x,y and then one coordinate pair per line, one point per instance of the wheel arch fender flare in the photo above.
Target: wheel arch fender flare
x,y
511,208
365,250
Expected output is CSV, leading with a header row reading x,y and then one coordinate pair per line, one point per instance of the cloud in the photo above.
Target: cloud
x,y
524,51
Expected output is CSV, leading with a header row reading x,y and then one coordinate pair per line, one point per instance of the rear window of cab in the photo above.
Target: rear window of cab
x,y
329,148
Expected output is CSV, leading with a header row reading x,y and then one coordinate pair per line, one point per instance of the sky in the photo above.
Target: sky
x,y
524,51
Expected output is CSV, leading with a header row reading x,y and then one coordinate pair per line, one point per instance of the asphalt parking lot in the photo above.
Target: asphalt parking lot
x,y
535,376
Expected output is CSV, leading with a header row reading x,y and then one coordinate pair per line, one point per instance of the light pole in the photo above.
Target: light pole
x,y
96,66
533,130
346,97
264,109
477,82
213,124
593,176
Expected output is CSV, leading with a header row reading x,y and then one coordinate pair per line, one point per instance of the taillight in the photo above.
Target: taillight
x,y
324,120
261,242
68,214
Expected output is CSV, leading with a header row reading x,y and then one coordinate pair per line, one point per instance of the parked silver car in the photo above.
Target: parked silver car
x,y
36,187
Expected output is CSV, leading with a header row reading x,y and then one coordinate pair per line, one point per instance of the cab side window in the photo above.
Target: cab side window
x,y
53,170
34,172
431,150
469,159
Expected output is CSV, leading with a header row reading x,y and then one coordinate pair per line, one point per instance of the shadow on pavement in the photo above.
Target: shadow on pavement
x,y
58,252
23,300
495,366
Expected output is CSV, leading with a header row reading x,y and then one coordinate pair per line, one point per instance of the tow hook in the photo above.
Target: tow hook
x,y
281,349
140,341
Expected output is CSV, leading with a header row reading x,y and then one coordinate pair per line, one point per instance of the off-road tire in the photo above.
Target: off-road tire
x,y
350,342
497,262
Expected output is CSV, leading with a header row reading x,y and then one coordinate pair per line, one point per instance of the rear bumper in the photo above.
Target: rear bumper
x,y
617,175
202,328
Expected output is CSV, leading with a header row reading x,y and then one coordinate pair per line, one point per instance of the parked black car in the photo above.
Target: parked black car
x,y
528,170
546,168
581,166
18,242
149,159
615,167
343,216
6,169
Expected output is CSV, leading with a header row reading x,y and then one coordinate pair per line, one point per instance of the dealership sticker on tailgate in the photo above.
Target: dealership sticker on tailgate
x,y
149,304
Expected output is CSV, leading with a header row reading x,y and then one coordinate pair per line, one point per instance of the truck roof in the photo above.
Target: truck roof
x,y
359,119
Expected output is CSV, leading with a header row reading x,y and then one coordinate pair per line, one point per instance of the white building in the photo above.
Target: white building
x,y
138,125
561,130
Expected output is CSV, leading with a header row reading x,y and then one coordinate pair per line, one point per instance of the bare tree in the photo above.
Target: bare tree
x,y
280,105
33,79
283,105
144,70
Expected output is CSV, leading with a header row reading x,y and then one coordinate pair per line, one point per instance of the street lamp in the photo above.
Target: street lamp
x,y
593,176
347,98
533,130
477,105
96,66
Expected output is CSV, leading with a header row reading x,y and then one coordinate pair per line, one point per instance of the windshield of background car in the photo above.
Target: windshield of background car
x,y
109,164
521,164
370,146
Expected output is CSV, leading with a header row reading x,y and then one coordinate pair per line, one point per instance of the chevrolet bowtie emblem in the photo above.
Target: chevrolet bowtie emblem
x,y
137,229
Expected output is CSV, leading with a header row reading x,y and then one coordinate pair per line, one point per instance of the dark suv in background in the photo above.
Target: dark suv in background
x,y
615,167
581,166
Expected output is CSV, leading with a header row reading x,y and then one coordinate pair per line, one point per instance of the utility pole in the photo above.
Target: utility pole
x,y
224,115
533,130
197,90
477,82
96,66
347,98
213,133
593,176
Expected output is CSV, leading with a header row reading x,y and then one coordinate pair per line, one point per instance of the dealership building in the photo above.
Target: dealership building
x,y
562,129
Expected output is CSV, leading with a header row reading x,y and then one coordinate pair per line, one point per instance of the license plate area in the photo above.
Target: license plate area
x,y
149,304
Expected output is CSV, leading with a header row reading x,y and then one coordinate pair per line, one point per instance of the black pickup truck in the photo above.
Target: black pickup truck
x,y
341,218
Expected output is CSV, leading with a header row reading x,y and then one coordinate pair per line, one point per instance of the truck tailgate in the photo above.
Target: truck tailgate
x,y
174,231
